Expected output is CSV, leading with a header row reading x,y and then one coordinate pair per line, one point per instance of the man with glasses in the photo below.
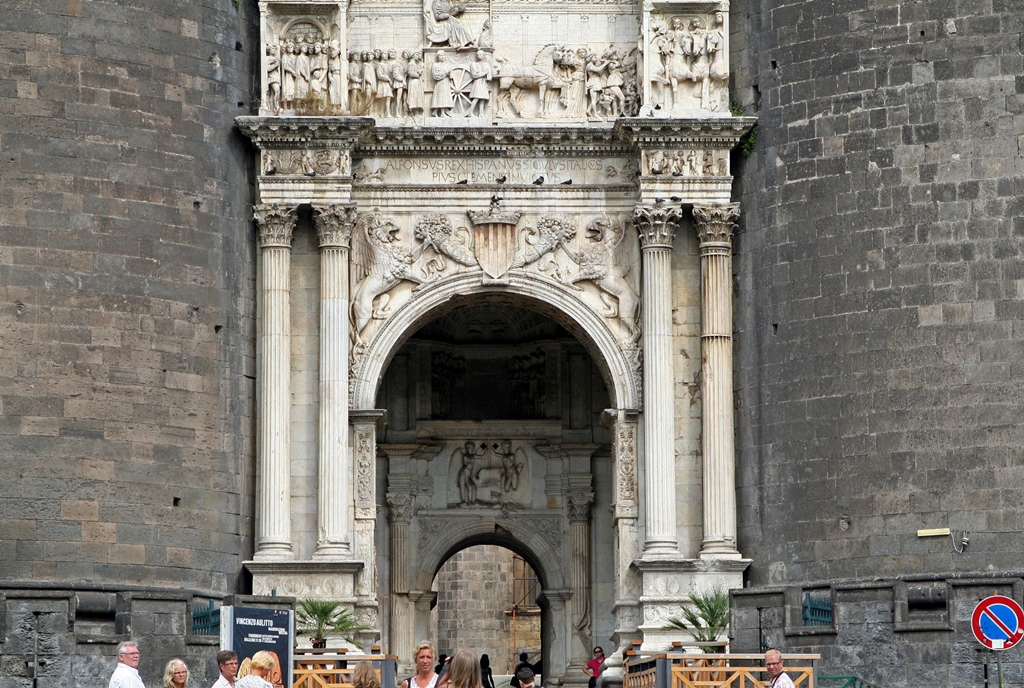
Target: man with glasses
x,y
126,674
773,662
593,668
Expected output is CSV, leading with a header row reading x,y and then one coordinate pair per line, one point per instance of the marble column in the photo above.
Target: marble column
x,y
276,224
364,549
656,226
578,505
334,469
554,636
714,227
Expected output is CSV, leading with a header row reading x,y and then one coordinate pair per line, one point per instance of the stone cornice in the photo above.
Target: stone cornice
x,y
717,132
326,131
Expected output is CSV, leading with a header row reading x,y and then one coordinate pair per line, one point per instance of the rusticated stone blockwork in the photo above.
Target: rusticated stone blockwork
x,y
878,328
126,287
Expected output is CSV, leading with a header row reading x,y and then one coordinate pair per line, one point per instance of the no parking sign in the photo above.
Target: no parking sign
x,y
998,622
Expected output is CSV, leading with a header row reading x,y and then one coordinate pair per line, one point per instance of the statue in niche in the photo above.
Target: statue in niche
x,y
443,98
302,72
441,19
379,264
607,261
273,77
414,86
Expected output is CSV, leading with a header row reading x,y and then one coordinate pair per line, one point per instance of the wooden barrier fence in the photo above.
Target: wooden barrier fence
x,y
697,670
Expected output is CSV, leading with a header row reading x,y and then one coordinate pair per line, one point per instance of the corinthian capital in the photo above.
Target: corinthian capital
x,y
579,505
276,222
334,224
716,222
656,224
400,507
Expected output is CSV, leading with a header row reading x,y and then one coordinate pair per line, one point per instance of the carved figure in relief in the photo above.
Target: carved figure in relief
x,y
480,89
399,82
384,96
718,71
595,69
369,81
486,40
355,83
551,232
288,75
336,87
510,468
694,44
607,260
414,87
435,230
443,98
302,72
318,73
441,18
273,77
468,471
661,47
379,264
614,83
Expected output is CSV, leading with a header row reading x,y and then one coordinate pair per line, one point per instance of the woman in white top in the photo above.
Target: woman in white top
x,y
425,677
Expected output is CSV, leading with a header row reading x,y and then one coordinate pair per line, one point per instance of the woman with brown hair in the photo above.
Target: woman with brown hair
x,y
465,670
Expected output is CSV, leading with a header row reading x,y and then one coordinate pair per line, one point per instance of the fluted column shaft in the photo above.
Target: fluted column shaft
x,y
579,504
334,466
656,226
403,625
714,226
276,224
626,607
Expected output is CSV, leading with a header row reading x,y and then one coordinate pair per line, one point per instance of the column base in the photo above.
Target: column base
x,y
719,549
333,551
274,552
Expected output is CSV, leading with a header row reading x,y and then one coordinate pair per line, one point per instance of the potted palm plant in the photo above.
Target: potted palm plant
x,y
706,620
321,618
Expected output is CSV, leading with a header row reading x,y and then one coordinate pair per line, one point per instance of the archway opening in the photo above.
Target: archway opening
x,y
487,602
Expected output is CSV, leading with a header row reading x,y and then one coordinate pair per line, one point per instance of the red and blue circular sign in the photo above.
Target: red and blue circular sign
x,y
998,622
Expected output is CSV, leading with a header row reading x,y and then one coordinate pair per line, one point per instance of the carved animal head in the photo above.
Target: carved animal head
x,y
597,228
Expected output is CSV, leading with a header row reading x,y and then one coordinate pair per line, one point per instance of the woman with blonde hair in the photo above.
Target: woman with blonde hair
x,y
465,670
259,666
423,656
176,674
365,676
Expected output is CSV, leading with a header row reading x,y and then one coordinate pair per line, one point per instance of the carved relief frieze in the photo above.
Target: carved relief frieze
x,y
303,62
401,508
688,62
490,473
686,162
308,162
602,264
304,585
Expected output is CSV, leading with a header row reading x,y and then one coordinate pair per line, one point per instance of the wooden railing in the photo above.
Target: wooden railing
x,y
329,668
696,670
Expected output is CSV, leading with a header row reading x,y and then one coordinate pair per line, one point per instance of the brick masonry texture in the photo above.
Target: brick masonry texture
x,y
879,331
126,285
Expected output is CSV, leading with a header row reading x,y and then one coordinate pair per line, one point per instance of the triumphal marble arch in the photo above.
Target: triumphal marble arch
x,y
495,307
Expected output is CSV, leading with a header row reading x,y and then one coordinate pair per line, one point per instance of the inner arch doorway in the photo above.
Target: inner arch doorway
x,y
493,437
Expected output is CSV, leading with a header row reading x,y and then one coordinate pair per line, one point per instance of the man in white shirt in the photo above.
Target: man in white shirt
x,y
227,662
773,662
126,674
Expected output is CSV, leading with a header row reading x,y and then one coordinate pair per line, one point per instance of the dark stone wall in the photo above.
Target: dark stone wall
x,y
879,284
126,293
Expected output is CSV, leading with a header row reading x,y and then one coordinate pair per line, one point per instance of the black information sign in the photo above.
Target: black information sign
x,y
251,629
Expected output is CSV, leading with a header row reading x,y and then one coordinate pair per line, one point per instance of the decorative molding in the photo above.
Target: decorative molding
x,y
334,224
715,223
276,222
656,224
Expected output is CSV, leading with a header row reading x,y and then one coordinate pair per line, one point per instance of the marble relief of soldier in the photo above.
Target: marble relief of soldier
x,y
288,74
385,94
303,69
677,61
444,25
443,98
355,82
661,49
614,82
400,81
717,68
336,86
369,82
414,85
595,71
480,88
694,44
318,73
273,77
